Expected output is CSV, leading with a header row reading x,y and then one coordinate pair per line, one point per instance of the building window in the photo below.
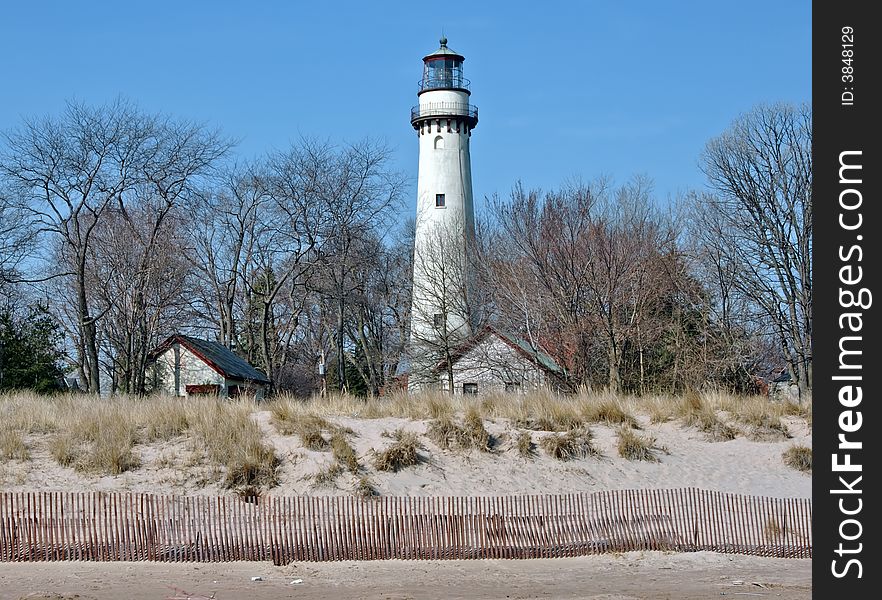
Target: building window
x,y
512,387
439,201
438,320
470,388
439,143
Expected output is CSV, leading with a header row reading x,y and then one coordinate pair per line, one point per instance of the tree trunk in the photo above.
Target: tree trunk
x,y
89,333
341,355
614,376
265,350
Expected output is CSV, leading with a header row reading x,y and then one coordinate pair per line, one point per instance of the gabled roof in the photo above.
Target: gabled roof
x,y
520,345
215,355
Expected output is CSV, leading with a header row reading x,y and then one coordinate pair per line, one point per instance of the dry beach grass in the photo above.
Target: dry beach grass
x,y
435,443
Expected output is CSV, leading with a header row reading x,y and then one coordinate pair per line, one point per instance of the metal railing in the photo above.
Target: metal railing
x,y
443,83
444,109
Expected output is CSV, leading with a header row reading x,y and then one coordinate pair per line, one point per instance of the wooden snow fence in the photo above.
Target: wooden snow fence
x,y
113,526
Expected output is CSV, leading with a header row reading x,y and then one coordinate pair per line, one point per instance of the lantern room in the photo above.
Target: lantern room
x,y
442,70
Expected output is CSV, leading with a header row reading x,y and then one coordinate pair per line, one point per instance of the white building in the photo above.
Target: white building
x,y
493,361
187,366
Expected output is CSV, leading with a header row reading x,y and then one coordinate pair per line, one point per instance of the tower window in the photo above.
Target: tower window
x,y
438,320
439,201
439,143
470,388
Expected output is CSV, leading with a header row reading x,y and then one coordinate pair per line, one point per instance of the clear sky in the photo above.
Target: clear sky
x,y
565,89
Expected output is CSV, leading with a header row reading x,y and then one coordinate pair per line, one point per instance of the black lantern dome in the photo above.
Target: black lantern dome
x,y
442,70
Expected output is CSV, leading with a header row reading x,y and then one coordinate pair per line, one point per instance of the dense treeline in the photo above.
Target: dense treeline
x,y
125,227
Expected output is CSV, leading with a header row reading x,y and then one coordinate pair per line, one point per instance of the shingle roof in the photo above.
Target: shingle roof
x,y
543,359
216,356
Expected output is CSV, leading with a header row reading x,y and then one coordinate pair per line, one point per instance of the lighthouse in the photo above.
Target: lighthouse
x,y
445,219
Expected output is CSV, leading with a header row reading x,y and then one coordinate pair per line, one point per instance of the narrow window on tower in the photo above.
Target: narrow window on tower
x,y
438,320
439,143
439,201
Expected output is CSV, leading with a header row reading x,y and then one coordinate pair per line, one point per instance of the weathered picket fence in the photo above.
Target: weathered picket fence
x,y
107,526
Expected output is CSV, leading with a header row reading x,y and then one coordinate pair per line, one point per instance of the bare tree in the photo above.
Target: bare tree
x,y
378,311
758,226
286,235
139,276
284,254
65,172
16,238
229,221
360,189
580,269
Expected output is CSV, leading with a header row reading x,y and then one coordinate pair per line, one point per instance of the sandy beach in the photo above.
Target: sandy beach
x,y
628,576
683,456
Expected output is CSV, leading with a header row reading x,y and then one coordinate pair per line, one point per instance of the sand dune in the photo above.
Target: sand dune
x,y
685,459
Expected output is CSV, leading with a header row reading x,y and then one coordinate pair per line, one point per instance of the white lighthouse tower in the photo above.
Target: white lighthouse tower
x,y
445,221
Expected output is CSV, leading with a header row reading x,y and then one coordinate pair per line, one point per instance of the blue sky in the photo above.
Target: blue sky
x,y
565,89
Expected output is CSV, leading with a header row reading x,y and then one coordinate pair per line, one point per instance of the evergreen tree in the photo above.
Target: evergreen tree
x,y
29,353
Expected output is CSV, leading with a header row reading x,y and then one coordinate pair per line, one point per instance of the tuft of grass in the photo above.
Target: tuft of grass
x,y
254,465
447,434
365,488
439,406
313,439
28,412
489,405
524,444
65,450
541,410
476,434
310,428
13,446
97,436
111,452
297,417
402,453
328,475
228,437
576,443
610,411
660,409
715,429
695,412
803,410
772,431
762,417
285,413
632,446
691,407
344,453
798,457
164,418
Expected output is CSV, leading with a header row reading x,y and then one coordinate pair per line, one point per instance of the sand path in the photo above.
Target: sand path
x,y
628,576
